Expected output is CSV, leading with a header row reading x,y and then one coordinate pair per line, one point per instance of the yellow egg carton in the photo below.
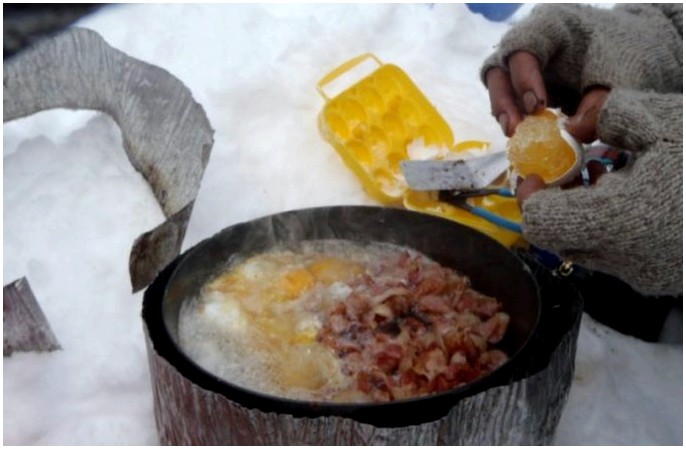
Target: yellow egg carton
x,y
371,124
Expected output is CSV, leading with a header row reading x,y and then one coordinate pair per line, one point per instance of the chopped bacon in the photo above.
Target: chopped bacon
x,y
411,327
411,378
389,358
458,358
400,305
462,342
356,305
434,304
466,320
479,342
492,359
444,323
400,390
434,281
457,286
462,373
338,323
387,293
440,383
431,363
345,346
493,329
364,382
415,326
477,303
382,313
375,384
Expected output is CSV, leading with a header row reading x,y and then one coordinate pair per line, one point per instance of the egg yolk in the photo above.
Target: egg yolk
x,y
295,283
329,270
538,147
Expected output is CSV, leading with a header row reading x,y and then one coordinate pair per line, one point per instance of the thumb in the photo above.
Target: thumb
x,y
530,185
583,124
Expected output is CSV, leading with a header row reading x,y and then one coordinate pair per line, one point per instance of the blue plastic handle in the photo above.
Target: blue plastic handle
x,y
505,192
496,219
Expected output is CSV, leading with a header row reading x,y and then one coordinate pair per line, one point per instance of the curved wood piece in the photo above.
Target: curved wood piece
x,y
166,133
24,325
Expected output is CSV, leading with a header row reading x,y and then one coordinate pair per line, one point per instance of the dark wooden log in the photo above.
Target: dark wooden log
x,y
24,325
526,412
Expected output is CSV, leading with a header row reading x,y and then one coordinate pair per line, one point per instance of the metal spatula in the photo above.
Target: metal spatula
x,y
464,174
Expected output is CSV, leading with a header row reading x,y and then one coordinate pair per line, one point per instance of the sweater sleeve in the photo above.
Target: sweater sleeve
x,y
633,46
630,224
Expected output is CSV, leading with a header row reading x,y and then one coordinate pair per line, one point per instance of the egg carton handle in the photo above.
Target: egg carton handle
x,y
343,68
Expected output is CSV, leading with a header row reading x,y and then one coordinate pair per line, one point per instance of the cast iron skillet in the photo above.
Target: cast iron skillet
x,y
492,268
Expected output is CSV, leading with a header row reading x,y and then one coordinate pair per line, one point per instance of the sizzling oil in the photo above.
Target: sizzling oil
x,y
255,324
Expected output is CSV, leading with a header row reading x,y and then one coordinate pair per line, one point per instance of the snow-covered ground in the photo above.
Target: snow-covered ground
x,y
73,204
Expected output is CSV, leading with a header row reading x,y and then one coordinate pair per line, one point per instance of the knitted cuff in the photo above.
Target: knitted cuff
x,y
580,46
548,29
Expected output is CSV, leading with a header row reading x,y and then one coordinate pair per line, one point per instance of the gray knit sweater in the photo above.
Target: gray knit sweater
x,y
630,224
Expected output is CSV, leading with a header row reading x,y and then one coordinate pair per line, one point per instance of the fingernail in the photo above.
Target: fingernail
x,y
504,122
530,102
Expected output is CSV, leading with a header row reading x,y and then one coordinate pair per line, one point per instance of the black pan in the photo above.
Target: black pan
x,y
492,268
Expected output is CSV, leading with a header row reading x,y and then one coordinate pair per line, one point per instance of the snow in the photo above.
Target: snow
x,y
73,204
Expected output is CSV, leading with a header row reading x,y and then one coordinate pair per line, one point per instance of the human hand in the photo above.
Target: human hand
x,y
527,187
521,91
631,219
516,92
583,126
562,51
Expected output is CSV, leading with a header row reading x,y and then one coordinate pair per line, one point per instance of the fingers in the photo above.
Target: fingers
x,y
594,171
527,81
583,124
516,92
595,168
503,105
530,185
